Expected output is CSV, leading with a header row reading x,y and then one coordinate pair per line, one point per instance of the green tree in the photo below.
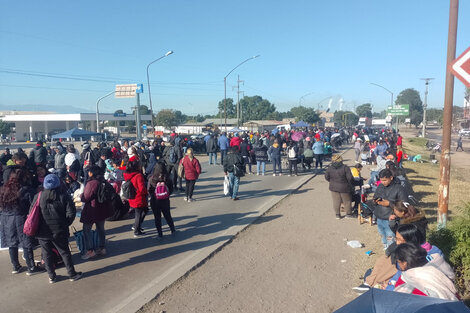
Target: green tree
x,y
255,108
435,115
381,114
231,109
411,96
166,118
364,110
308,115
5,128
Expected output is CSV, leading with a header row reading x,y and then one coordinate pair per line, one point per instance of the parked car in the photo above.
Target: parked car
x,y
464,132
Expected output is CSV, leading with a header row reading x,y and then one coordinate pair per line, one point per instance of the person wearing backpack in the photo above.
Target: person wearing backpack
x,y
172,155
292,153
57,214
160,189
95,211
139,202
234,167
192,170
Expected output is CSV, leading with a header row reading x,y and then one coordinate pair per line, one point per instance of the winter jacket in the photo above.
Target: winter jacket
x,y
167,151
235,141
245,149
275,152
233,158
192,168
340,178
12,219
138,181
93,211
419,220
5,157
39,155
393,192
211,145
57,214
223,142
296,150
318,147
59,160
308,153
261,153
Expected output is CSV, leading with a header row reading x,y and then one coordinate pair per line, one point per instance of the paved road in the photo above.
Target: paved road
x,y
135,270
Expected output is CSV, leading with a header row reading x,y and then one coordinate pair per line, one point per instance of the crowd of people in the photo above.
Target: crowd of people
x,y
410,264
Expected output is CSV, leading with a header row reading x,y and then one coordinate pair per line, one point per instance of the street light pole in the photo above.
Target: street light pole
x,y
98,111
150,94
225,86
391,101
425,106
307,94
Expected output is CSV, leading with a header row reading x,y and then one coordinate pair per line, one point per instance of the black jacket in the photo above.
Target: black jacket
x,y
211,145
340,177
393,192
233,158
57,214
39,155
261,153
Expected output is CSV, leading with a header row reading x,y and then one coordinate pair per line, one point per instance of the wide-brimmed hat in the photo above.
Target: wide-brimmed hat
x,y
336,158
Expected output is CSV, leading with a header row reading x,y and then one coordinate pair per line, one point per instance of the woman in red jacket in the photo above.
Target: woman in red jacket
x,y
192,169
139,203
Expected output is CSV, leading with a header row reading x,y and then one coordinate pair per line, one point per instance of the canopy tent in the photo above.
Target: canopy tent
x,y
300,124
75,133
384,301
236,130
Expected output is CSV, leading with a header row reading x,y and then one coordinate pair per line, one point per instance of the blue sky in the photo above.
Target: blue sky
x,y
332,48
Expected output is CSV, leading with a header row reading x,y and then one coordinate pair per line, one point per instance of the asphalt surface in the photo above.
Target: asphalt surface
x,y
137,269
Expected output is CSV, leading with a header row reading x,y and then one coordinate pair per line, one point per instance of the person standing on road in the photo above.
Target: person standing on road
x,y
261,154
459,144
292,157
192,170
245,151
224,144
357,149
94,213
57,214
234,159
160,206
340,184
275,152
211,148
318,151
139,203
172,154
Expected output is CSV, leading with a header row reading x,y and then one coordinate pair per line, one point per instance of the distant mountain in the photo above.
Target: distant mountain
x,y
44,108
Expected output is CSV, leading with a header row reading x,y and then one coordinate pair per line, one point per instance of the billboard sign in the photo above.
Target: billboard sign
x,y
125,91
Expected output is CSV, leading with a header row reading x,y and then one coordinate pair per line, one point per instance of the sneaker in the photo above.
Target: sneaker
x,y
35,270
17,270
76,277
185,198
141,229
257,174
362,288
101,251
338,216
89,255
139,234
190,200
274,174
53,279
280,174
235,199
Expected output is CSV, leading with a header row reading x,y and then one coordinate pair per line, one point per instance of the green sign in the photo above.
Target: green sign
x,y
399,110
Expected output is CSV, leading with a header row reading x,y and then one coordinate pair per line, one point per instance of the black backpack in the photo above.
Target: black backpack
x,y
173,156
128,190
105,192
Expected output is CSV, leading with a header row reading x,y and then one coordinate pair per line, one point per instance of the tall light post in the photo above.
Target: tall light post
x,y
318,104
225,86
150,94
425,106
301,98
391,100
98,111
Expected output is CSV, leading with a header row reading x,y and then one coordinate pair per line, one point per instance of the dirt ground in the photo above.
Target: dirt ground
x,y
296,262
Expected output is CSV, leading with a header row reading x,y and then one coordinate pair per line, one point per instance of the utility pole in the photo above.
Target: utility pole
x,y
239,111
425,106
446,129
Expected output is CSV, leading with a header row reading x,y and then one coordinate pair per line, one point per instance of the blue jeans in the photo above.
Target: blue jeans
x,y
276,164
263,167
388,237
223,154
233,187
212,155
89,237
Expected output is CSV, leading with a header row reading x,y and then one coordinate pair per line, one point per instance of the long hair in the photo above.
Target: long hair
x,y
159,174
405,207
133,166
10,192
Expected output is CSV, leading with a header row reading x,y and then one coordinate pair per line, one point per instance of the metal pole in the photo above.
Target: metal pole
x,y
137,113
425,106
150,94
98,111
238,101
225,101
446,130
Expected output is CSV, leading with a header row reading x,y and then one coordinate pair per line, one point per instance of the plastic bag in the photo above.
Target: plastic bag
x,y
226,186
354,244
